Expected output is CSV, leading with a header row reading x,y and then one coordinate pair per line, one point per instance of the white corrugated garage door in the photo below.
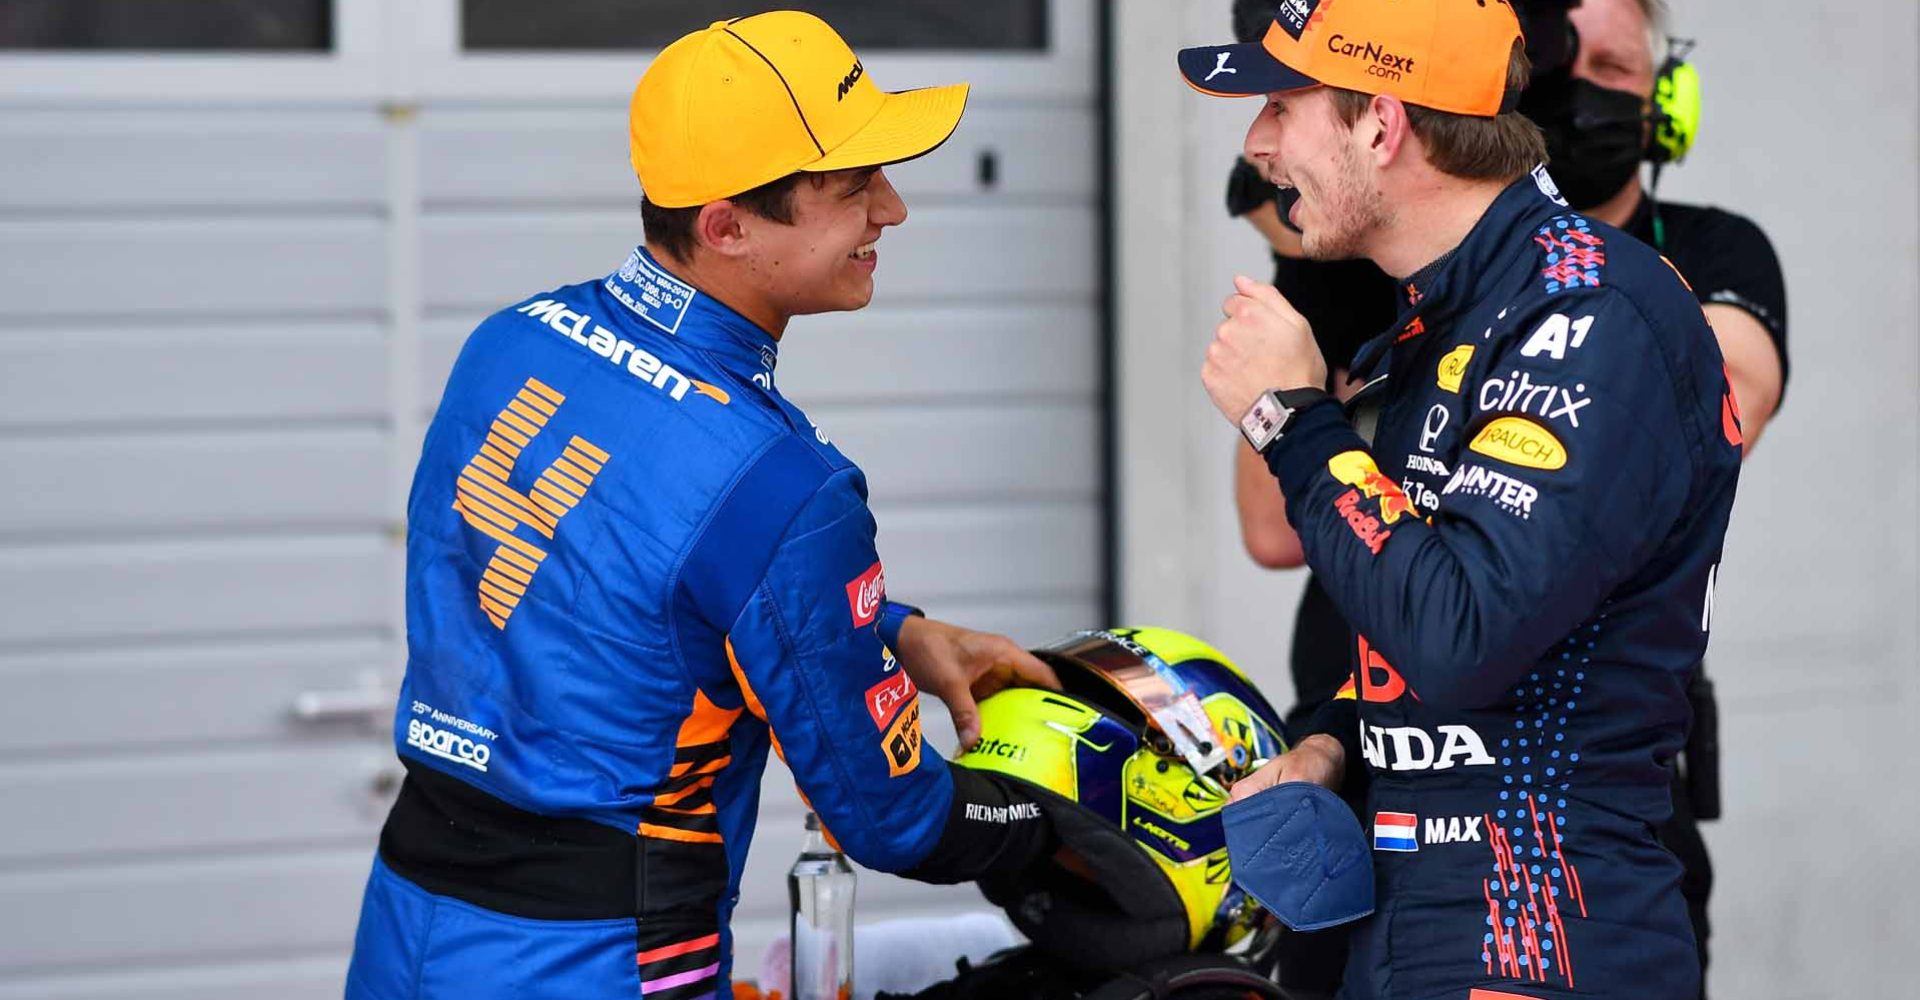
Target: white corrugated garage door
x,y
232,287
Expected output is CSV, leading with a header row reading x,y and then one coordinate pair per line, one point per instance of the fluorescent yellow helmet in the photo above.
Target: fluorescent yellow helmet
x,y
1150,729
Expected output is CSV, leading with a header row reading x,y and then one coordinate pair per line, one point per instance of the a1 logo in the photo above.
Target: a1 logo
x,y
1556,336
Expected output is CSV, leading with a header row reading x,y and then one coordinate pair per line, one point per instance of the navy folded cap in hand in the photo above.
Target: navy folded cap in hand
x,y
1299,850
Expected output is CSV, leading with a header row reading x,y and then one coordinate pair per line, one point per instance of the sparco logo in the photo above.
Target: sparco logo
x,y
448,745
1385,64
864,594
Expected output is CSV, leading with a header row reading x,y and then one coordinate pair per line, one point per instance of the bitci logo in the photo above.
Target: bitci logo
x,y
865,593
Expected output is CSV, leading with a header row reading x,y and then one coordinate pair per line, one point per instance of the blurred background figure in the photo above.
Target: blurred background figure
x,y
1612,92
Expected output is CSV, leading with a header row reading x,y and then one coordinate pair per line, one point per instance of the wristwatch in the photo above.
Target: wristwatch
x,y
1267,419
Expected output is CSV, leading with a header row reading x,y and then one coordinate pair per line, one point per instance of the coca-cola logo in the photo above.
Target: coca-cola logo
x,y
886,697
865,593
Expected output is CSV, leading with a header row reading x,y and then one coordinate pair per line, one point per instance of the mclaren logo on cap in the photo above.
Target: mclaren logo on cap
x,y
852,77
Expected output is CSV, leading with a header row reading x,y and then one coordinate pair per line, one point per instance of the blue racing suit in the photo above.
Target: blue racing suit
x,y
632,566
1527,550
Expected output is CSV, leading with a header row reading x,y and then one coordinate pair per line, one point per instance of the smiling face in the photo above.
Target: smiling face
x,y
824,261
1298,142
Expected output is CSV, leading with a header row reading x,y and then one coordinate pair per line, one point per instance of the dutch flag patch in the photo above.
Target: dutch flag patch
x,y
1395,832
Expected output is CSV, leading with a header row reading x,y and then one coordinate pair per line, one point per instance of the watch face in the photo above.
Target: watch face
x,y
1262,421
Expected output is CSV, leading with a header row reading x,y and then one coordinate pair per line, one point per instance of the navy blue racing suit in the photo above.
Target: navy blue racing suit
x,y
1527,549
632,567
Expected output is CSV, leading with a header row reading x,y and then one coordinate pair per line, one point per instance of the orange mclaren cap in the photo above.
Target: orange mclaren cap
x,y
751,100
1448,55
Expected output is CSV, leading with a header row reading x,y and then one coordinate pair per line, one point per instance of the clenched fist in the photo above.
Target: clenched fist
x,y
1264,343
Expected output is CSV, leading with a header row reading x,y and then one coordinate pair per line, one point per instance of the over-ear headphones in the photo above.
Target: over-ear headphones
x,y
1676,105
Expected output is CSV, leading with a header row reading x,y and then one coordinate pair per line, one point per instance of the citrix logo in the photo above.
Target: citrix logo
x,y
853,76
1519,393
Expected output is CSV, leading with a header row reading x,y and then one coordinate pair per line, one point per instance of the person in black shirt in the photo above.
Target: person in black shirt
x,y
1605,87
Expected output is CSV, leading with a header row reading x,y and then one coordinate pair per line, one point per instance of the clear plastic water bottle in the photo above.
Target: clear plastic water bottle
x,y
820,890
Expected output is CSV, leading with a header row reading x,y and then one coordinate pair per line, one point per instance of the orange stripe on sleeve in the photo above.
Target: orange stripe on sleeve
x,y
746,690
753,700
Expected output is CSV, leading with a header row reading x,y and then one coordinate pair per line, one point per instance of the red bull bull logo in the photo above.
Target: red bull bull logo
x,y
1356,469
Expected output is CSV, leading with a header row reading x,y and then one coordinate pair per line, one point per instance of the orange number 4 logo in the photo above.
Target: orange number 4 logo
x,y
497,510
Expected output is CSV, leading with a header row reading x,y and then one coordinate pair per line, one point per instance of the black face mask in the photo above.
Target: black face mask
x,y
1595,138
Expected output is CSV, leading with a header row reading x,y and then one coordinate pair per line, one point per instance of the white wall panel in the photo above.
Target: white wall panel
x,y
145,161
906,352
957,454
189,269
481,261
1028,622
1001,552
152,590
53,376
902,352
94,809
238,906
89,485
99,700
497,156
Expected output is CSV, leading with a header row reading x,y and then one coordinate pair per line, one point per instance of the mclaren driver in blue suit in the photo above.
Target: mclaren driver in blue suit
x,y
1526,542
633,567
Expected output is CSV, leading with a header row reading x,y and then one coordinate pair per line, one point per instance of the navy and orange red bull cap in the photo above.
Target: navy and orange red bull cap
x,y
1447,55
